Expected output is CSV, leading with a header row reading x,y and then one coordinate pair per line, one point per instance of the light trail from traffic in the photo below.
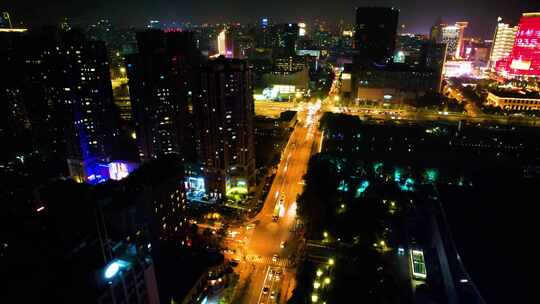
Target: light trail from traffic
x,y
272,243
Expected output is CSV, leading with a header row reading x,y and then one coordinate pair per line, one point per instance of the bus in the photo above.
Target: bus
x,y
275,215
277,209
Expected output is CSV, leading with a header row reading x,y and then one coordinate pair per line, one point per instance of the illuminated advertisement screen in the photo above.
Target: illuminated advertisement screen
x,y
195,184
524,60
118,170
520,64
418,265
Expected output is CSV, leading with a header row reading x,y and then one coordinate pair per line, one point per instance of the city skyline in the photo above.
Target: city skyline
x,y
136,14
286,159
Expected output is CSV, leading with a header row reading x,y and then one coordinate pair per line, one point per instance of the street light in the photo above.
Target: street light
x,y
314,298
331,261
319,272
326,280
316,285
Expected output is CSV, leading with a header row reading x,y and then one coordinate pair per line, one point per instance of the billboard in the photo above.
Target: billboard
x,y
524,60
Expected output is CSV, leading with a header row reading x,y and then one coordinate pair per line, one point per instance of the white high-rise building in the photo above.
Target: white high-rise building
x,y
225,43
452,35
503,41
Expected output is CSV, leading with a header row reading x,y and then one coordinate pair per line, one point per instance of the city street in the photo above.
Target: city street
x,y
385,114
267,259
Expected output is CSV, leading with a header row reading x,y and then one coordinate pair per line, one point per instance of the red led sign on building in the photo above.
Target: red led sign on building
x,y
525,57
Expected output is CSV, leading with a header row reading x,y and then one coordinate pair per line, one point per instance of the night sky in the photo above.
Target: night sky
x,y
417,15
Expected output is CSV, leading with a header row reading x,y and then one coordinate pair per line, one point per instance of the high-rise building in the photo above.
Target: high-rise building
x,y
223,112
98,250
159,186
62,89
264,22
284,38
85,87
436,30
15,122
375,34
410,49
503,41
462,25
452,35
434,58
225,43
160,78
524,60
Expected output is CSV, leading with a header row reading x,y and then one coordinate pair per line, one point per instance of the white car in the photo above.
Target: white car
x,y
274,257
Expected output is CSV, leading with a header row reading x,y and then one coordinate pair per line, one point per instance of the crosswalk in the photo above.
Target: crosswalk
x,y
267,260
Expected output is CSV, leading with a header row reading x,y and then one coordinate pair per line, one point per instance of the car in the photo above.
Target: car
x,y
265,290
282,244
273,295
274,257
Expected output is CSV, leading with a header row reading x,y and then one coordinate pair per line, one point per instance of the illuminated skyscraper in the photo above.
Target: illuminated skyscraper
x,y
61,95
225,44
524,60
452,35
462,25
301,29
223,111
375,35
503,41
70,78
160,78
264,23
284,38
86,87
222,47
409,49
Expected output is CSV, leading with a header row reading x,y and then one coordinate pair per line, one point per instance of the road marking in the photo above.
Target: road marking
x,y
264,284
266,260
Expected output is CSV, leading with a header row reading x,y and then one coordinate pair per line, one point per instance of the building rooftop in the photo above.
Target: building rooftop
x,y
287,115
516,94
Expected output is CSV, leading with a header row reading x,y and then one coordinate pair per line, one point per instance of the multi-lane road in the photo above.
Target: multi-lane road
x,y
267,257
